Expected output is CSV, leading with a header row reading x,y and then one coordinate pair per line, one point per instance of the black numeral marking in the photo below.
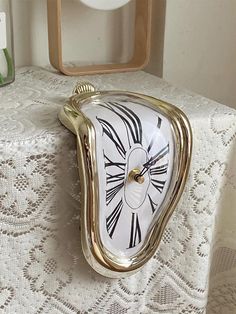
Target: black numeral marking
x,y
159,170
159,185
150,145
153,205
159,121
110,163
131,121
111,133
111,178
135,231
111,193
113,218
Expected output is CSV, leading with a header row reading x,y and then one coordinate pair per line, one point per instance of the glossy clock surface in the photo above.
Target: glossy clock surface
x,y
135,156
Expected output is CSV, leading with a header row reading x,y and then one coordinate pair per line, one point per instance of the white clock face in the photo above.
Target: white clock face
x,y
135,158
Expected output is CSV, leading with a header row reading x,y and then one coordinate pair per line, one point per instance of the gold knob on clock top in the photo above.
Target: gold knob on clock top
x,y
83,87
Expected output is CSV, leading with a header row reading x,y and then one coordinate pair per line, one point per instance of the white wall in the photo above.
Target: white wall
x,y
88,35
198,47
193,42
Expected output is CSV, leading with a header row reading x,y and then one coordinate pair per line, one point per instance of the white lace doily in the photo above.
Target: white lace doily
x,y
42,268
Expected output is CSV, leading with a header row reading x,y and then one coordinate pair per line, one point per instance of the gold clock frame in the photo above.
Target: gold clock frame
x,y
142,40
96,254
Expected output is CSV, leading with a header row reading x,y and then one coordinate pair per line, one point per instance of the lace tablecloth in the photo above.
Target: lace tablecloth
x,y
42,268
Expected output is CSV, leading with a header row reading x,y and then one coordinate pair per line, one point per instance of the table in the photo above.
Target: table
x,y
42,269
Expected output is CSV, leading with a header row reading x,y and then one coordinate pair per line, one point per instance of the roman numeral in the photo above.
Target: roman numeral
x,y
159,170
159,185
110,163
131,120
113,218
135,231
111,178
153,205
111,133
111,193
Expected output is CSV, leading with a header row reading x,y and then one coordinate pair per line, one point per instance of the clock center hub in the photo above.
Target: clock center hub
x,y
136,185
134,175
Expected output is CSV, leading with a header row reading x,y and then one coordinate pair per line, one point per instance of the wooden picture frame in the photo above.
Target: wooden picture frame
x,y
142,38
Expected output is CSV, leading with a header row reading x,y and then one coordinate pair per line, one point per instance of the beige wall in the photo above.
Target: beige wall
x,y
193,42
197,50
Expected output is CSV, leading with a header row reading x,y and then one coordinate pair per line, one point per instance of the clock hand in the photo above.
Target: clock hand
x,y
151,162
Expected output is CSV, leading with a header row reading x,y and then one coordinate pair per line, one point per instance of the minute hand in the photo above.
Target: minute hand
x,y
151,162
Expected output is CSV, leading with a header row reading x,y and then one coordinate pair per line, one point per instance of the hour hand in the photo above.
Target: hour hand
x,y
152,161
